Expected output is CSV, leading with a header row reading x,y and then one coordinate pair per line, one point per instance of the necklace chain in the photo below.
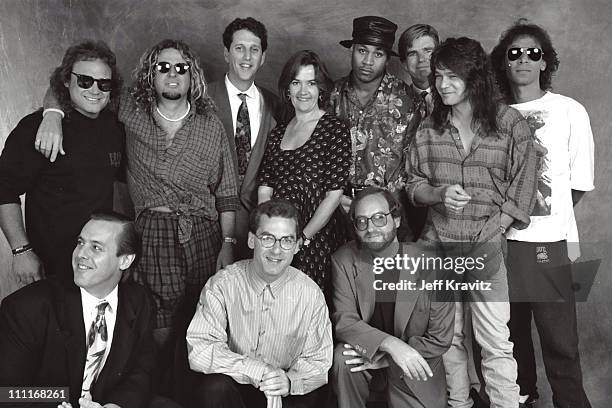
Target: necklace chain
x,y
177,119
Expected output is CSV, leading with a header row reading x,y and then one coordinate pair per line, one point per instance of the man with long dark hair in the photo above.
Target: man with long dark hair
x,y
473,162
61,195
525,61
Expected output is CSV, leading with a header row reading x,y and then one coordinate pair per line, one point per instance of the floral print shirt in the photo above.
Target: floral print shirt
x,y
381,130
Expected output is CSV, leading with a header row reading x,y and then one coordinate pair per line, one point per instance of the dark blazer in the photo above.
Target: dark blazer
x,y
42,343
424,323
248,190
218,92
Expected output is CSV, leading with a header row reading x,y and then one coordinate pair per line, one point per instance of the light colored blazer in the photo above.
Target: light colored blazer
x,y
422,321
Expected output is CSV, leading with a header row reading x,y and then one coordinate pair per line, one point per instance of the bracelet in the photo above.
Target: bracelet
x,y
231,240
22,249
305,240
53,110
502,229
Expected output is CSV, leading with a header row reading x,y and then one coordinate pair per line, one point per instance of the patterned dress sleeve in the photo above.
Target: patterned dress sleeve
x,y
267,173
338,161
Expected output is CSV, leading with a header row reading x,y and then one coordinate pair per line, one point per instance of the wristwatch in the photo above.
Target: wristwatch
x,y
231,240
502,229
305,240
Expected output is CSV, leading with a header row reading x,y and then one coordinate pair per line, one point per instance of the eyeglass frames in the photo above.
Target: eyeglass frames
x,y
268,241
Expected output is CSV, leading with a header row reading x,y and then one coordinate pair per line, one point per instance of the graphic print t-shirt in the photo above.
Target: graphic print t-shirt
x,y
564,144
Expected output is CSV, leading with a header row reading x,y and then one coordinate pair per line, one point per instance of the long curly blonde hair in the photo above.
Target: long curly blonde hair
x,y
143,90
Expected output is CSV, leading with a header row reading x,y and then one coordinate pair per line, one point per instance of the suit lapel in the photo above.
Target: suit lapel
x,y
406,299
365,281
123,339
250,178
70,320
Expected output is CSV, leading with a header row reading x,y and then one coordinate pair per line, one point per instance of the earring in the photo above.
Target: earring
x,y
509,65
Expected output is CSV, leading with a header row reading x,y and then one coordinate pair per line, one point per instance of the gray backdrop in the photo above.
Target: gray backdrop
x,y
35,33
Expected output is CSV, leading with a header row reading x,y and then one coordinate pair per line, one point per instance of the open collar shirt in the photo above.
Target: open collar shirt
x,y
380,130
242,324
194,175
499,173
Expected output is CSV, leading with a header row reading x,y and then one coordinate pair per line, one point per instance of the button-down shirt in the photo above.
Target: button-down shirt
x,y
194,175
243,324
90,311
380,130
254,102
498,173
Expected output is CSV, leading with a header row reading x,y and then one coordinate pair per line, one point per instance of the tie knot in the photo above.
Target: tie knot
x,y
101,307
423,94
242,96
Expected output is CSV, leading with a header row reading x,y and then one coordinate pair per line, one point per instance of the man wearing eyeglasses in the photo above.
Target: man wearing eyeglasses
x,y
60,196
399,335
261,332
525,62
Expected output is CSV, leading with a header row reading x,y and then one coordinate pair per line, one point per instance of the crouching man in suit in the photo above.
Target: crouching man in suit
x,y
397,335
95,337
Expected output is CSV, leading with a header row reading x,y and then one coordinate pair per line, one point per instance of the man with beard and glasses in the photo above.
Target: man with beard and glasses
x,y
399,335
379,109
181,178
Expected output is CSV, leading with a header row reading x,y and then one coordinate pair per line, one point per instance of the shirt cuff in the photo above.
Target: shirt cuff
x,y
521,218
297,384
224,204
254,369
411,188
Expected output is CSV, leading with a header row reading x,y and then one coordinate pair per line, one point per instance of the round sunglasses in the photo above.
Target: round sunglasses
x,y
86,82
163,67
534,54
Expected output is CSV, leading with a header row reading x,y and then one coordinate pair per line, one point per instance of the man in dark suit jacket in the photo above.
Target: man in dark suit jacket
x,y
43,326
399,333
245,41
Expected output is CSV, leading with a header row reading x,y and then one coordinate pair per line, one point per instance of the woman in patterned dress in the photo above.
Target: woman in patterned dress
x,y
307,162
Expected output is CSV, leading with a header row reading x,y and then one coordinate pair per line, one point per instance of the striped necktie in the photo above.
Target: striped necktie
x,y
96,347
243,136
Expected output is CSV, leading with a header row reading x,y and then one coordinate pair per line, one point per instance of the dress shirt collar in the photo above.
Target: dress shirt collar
x,y
233,91
419,90
258,284
90,302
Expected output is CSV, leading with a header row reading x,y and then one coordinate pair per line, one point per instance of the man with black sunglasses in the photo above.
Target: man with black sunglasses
x,y
60,196
261,332
384,331
525,62
182,181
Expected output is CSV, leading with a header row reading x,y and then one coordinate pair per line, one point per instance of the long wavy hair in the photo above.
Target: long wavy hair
x,y
143,90
498,56
86,51
290,70
467,59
